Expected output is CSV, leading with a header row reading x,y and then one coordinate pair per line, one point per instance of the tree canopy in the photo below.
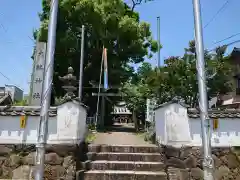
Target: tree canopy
x,y
109,23
178,78
116,26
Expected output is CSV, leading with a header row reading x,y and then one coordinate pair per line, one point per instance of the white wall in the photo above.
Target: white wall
x,y
160,125
227,134
11,133
174,127
68,127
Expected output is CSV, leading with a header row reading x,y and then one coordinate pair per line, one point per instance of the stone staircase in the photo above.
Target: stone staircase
x,y
123,163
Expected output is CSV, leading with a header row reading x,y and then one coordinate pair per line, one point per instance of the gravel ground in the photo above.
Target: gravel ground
x,y
120,134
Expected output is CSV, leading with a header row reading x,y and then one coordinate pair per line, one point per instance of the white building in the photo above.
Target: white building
x,y
15,92
178,125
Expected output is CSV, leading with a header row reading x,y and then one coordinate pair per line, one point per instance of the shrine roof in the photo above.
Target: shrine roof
x,y
25,110
212,113
5,99
34,110
215,113
174,100
76,99
235,52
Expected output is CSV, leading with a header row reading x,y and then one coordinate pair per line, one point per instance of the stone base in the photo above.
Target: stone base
x,y
61,161
186,163
123,175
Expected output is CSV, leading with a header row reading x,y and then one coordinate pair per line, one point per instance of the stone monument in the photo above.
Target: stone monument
x,y
38,75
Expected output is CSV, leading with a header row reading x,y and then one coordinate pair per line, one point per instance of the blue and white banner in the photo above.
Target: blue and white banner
x,y
105,80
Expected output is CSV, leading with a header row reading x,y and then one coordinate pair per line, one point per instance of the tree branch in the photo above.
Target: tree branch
x,y
135,3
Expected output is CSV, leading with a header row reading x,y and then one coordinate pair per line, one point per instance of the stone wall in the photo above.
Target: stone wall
x,y
18,161
186,163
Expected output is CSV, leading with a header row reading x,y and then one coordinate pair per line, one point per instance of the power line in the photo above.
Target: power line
x,y
218,12
227,38
226,45
5,76
11,42
31,39
234,42
3,27
10,80
5,30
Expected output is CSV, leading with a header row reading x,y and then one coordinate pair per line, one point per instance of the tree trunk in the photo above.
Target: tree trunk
x,y
135,121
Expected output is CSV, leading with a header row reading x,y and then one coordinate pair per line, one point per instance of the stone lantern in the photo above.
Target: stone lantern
x,y
70,82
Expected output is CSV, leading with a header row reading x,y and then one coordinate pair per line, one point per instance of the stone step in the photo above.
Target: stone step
x,y
123,148
145,157
126,165
123,175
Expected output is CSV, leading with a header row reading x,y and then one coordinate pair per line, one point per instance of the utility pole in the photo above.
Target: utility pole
x,y
81,65
47,88
203,104
158,37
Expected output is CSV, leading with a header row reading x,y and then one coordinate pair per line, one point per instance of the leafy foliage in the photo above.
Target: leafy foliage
x,y
150,135
136,90
178,78
21,103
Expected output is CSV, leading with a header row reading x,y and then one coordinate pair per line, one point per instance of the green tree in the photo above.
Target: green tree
x,y
109,23
142,72
221,83
182,75
136,91
21,103
178,78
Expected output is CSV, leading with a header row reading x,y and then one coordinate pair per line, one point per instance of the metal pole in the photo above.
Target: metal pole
x,y
81,65
158,37
99,89
102,112
47,88
203,104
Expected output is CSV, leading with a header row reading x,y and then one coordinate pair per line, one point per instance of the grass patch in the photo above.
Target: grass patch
x,y
90,137
141,134
236,150
147,136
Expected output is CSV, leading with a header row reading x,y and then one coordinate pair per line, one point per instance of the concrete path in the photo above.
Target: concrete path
x,y
120,134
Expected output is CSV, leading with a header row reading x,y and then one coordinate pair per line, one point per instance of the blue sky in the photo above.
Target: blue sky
x,y
19,18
